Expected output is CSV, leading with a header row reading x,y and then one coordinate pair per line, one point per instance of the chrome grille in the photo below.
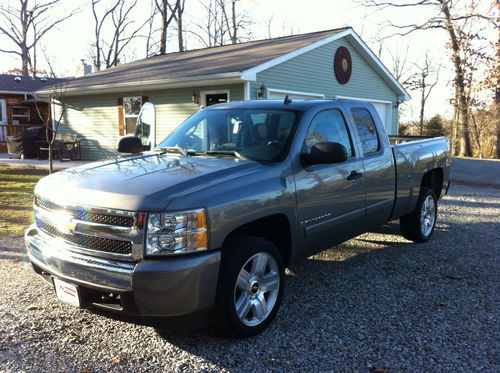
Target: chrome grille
x,y
95,231
88,242
80,214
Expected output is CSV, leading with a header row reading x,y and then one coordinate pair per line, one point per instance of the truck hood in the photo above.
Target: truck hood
x,y
140,183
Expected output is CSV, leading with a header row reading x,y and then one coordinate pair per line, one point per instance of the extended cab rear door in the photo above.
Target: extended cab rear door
x,y
378,161
330,197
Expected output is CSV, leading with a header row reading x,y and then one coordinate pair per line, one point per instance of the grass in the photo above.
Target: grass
x,y
16,198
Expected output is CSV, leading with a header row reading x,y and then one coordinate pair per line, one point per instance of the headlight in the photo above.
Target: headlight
x,y
177,232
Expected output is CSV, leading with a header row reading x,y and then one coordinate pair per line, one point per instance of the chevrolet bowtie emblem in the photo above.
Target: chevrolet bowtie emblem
x,y
71,227
65,223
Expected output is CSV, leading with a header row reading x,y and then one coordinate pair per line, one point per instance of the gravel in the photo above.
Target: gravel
x,y
377,303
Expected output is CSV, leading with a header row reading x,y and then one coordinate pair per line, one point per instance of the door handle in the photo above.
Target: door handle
x,y
353,176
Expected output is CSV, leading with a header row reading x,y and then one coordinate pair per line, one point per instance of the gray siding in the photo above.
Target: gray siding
x,y
95,117
312,72
174,106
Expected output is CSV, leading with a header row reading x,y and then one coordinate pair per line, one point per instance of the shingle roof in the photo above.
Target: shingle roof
x,y
24,84
201,62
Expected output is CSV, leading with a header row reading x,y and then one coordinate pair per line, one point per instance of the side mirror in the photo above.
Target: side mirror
x,y
130,144
326,152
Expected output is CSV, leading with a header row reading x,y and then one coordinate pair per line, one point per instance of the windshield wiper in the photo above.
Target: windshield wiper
x,y
226,152
174,149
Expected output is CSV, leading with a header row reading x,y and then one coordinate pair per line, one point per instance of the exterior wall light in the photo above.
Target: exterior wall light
x,y
195,98
261,93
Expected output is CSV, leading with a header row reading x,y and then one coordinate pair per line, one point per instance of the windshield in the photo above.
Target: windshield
x,y
256,134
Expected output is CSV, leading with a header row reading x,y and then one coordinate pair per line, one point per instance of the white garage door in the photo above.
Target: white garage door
x,y
384,112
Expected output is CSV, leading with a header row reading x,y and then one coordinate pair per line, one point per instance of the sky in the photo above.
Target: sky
x,y
67,45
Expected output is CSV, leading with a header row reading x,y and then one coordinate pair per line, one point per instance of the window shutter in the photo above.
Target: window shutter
x,y
144,99
121,124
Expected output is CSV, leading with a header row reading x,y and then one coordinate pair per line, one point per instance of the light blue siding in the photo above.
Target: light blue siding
x,y
95,117
312,72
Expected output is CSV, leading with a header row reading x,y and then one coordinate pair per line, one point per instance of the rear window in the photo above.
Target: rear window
x,y
366,130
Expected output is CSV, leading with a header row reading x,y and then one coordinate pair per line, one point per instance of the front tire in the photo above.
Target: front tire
x,y
419,225
250,287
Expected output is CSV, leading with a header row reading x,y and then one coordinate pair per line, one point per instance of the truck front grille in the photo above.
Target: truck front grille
x,y
80,214
92,231
88,242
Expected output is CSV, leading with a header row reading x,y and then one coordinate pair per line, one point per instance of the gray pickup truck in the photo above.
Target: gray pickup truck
x,y
205,223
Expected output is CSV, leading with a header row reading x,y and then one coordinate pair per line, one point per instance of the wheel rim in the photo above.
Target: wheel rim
x,y
427,216
256,289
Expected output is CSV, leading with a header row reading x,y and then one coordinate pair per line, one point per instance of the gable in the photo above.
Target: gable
x,y
313,71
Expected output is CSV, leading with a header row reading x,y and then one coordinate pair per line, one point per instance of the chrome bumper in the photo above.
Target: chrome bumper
x,y
163,287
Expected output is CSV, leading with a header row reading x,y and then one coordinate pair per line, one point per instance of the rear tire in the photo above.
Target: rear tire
x,y
419,225
251,284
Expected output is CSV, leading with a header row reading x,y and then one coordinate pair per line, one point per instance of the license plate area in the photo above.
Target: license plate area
x,y
66,292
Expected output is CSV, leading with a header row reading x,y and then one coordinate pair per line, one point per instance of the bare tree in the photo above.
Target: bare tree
x,y
164,7
150,44
56,97
235,22
98,23
421,82
448,19
178,16
26,25
118,19
400,67
212,31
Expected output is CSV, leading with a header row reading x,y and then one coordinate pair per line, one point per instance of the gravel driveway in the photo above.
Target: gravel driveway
x,y
376,303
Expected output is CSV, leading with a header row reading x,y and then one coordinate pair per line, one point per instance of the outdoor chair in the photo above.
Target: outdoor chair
x,y
65,145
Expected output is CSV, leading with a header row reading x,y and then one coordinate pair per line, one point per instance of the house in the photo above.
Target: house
x,y
103,106
17,105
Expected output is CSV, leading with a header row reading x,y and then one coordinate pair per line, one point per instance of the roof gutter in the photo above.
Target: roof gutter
x,y
15,92
190,81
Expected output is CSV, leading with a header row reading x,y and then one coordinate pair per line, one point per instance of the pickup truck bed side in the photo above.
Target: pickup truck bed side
x,y
413,160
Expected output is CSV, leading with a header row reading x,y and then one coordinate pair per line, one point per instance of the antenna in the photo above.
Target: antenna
x,y
287,101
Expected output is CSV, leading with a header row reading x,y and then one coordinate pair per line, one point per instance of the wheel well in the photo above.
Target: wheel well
x,y
433,179
274,228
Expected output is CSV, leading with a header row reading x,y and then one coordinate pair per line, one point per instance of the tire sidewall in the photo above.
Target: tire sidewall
x,y
236,254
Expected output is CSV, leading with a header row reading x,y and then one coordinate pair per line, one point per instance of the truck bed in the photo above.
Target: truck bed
x,y
413,157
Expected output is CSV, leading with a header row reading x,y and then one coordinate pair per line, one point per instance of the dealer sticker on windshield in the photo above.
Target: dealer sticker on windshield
x,y
67,292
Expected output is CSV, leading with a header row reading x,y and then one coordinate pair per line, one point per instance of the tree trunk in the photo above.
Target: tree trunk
x,y
234,36
463,123
25,60
180,36
164,25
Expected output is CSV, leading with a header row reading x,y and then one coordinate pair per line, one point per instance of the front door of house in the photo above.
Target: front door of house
x,y
215,97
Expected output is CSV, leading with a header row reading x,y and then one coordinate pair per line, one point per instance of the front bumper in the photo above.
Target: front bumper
x,y
179,286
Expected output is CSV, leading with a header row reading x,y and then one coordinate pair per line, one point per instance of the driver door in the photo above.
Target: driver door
x,y
330,201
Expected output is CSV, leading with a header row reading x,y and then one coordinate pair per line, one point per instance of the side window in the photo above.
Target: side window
x,y
366,130
329,125
131,109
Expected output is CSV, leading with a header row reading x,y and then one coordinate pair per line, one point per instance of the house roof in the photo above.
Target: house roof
x,y
224,64
15,84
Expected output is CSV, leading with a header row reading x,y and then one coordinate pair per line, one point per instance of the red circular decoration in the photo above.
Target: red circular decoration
x,y
342,65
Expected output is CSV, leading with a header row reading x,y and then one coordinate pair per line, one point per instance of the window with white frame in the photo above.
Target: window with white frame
x,y
20,114
131,109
